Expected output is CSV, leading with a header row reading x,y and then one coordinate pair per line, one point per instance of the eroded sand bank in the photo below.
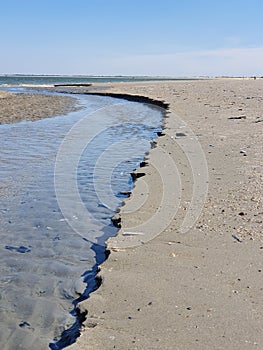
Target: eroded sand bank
x,y
200,289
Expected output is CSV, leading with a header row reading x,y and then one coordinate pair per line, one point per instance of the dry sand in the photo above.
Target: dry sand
x,y
23,107
201,289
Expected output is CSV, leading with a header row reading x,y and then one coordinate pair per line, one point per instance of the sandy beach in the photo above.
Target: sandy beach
x,y
170,286
199,288
16,108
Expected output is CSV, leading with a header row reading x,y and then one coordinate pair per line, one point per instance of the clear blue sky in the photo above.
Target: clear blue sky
x,y
139,37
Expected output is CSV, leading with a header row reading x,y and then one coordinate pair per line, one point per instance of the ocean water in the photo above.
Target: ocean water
x,y
47,80
61,181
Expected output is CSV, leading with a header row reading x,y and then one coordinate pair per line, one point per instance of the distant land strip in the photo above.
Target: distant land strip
x,y
73,84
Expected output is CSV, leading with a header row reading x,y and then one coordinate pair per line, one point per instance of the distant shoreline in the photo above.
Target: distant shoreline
x,y
164,77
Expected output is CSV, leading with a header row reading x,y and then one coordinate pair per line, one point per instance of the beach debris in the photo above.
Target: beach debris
x,y
238,117
171,242
24,324
129,233
242,151
237,238
180,134
114,249
90,325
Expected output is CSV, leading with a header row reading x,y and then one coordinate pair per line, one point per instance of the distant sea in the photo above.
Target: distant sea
x,y
50,80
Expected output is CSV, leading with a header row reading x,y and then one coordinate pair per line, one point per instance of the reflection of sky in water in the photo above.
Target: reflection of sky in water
x,y
42,258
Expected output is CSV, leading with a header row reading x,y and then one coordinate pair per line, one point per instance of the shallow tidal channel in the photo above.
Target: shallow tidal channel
x,y
61,181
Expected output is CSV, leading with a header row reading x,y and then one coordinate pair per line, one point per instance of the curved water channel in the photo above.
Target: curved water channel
x,y
48,246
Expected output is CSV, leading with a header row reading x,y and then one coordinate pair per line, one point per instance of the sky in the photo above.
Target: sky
x,y
138,37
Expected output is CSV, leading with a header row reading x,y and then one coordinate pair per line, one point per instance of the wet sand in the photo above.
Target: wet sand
x,y
199,289
16,108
